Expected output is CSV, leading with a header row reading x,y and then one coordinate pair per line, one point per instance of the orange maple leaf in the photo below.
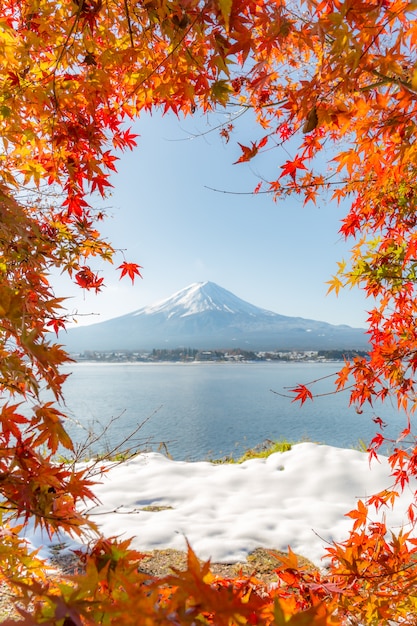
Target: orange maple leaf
x,y
360,515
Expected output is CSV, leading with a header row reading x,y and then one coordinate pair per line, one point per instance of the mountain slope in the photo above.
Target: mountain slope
x,y
206,316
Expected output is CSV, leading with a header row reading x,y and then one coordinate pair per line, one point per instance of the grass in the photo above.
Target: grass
x,y
261,451
361,446
268,447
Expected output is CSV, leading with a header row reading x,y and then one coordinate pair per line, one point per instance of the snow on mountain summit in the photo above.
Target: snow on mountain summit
x,y
206,317
201,298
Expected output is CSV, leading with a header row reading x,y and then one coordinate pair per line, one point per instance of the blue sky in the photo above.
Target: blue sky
x,y
275,255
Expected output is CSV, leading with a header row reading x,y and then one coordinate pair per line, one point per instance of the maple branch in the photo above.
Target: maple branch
x,y
394,79
315,395
192,136
267,105
129,24
325,183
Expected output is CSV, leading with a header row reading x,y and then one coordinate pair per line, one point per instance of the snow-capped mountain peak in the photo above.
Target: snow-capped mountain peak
x,y
206,316
199,298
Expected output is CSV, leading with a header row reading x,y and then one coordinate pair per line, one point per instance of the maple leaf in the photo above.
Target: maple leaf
x,y
285,131
351,224
225,8
124,139
50,427
302,393
311,121
76,205
109,159
249,152
383,499
220,91
131,270
342,377
402,477
379,421
88,280
101,183
290,167
11,422
57,324
377,441
360,515
288,562
335,284
225,133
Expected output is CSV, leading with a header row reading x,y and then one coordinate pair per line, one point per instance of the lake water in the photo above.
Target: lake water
x,y
211,410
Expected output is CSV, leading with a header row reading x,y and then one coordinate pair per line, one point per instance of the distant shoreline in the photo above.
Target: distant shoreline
x,y
199,363
193,356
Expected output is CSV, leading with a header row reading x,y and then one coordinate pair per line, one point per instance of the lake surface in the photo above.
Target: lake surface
x,y
211,410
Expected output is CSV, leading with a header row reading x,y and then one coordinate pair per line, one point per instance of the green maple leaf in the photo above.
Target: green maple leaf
x,y
226,9
220,91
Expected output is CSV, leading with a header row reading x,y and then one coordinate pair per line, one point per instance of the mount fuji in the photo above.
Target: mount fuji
x,y
206,316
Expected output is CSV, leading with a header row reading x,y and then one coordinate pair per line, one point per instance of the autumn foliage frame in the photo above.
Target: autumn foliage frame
x,y
317,74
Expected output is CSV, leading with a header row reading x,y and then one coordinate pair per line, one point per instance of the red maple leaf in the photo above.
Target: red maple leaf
x,y
88,280
379,421
131,270
57,324
249,152
290,167
303,393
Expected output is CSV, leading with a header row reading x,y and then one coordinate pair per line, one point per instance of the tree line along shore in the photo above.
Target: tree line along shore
x,y
190,355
